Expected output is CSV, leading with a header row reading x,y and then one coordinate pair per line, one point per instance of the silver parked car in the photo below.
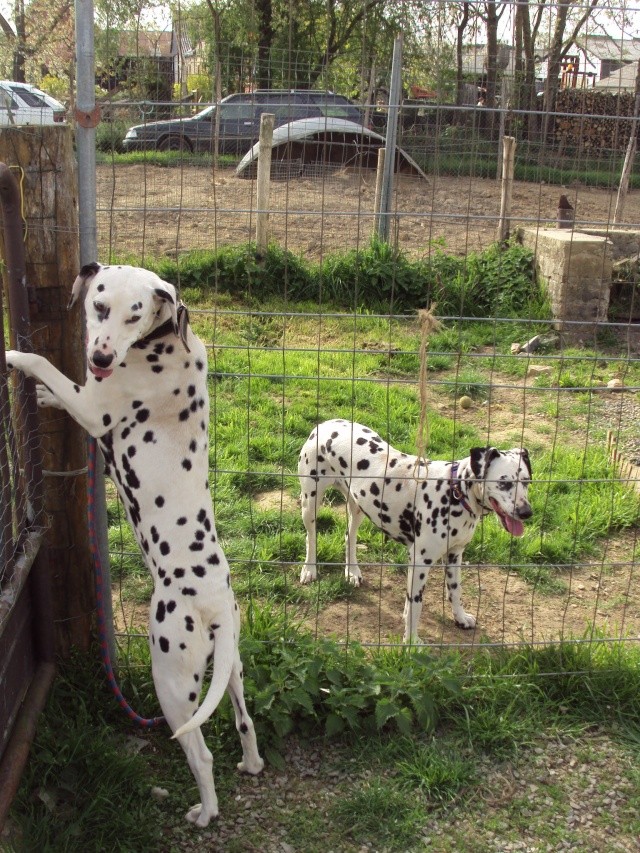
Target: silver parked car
x,y
22,104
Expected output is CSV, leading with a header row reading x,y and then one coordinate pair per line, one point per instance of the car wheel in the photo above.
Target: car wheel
x,y
174,143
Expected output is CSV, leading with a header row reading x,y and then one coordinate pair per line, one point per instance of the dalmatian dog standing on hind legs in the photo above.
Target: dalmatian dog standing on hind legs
x,y
146,402
433,509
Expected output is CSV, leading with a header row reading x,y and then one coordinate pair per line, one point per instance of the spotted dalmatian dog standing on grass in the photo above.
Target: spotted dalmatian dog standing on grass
x,y
434,511
146,402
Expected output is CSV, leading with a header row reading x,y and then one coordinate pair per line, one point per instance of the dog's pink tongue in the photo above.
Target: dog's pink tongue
x,y
512,525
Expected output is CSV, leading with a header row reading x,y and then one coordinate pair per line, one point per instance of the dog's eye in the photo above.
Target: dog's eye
x,y
99,307
134,319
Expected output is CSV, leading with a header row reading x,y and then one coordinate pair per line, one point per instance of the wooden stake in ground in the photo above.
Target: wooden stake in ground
x,y
629,157
508,169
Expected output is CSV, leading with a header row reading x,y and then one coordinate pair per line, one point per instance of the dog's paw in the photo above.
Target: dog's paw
x,y
252,766
46,398
465,620
354,576
199,817
308,574
12,358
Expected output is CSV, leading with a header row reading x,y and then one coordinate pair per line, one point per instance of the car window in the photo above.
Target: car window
x,y
6,101
237,112
339,111
30,98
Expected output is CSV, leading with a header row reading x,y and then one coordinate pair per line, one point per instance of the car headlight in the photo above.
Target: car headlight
x,y
132,134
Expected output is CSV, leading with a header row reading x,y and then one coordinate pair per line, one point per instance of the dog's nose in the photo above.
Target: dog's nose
x,y
525,511
101,359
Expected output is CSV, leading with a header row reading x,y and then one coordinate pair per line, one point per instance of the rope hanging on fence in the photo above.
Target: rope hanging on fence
x,y
428,325
101,592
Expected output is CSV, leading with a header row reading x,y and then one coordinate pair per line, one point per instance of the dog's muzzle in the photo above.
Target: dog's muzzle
x,y
100,364
512,523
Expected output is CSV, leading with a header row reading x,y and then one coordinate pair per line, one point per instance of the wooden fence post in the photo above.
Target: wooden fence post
x,y
45,168
508,168
263,187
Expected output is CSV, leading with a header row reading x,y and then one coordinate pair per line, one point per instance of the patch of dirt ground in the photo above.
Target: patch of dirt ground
x,y
151,210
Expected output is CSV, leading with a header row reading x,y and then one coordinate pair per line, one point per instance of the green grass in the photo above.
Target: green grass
x,y
421,734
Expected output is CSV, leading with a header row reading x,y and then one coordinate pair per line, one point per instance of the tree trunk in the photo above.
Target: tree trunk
x,y
553,68
462,26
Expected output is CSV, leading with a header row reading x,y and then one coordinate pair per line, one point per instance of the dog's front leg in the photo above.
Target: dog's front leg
x,y
454,588
79,401
416,580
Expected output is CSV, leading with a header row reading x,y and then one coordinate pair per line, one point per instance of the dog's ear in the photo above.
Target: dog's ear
x,y
527,461
82,279
481,458
179,318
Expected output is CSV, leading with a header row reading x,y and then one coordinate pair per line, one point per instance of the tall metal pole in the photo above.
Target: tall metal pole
x,y
87,117
395,96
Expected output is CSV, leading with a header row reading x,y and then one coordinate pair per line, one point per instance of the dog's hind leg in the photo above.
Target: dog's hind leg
x,y
354,519
178,696
312,489
251,760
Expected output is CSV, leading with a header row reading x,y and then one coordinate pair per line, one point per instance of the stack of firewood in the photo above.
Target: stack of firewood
x,y
598,120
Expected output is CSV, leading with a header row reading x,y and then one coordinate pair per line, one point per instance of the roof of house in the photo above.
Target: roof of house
x,y
605,47
146,43
624,79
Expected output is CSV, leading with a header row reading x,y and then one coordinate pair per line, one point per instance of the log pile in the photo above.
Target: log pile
x,y
598,120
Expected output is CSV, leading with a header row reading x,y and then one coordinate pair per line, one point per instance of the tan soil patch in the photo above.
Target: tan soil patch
x,y
151,210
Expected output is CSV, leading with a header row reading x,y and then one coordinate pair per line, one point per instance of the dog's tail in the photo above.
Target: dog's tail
x,y
223,659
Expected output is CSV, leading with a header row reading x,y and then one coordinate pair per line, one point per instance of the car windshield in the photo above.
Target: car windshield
x,y
207,113
29,97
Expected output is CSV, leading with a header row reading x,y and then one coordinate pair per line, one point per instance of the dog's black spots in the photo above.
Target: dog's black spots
x,y
199,534
160,611
171,606
188,590
199,364
178,573
505,485
418,597
333,435
145,546
362,464
188,624
186,464
165,548
393,463
167,581
439,485
155,536
374,447
76,388
454,531
164,644
228,580
131,451
176,391
196,677
191,391
152,357
209,657
193,445
194,406
159,501
199,571
452,586
213,560
157,368
343,462
182,646
181,521
142,415
192,697
374,488
136,404
196,546
124,435
386,519
360,440
202,514
106,420
244,728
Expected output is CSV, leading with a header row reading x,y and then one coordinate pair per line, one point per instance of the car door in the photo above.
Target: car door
x,y
239,126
